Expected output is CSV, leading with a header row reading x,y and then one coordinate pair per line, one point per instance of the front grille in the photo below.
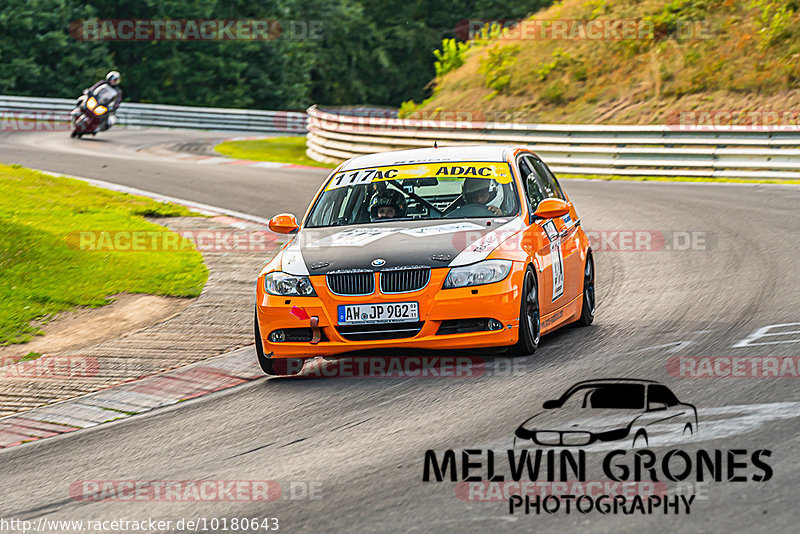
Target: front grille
x,y
404,280
351,282
371,332
568,438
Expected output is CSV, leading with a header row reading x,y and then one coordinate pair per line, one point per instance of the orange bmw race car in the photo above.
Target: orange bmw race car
x,y
439,248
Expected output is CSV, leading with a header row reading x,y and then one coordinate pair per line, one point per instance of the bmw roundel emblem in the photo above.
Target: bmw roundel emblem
x,y
378,262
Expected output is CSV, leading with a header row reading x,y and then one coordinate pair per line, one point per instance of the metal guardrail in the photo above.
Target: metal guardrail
x,y
164,116
700,151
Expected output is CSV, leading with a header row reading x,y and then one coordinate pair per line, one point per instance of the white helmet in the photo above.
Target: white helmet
x,y
113,77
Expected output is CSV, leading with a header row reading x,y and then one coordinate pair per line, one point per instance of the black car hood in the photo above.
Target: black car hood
x,y
433,243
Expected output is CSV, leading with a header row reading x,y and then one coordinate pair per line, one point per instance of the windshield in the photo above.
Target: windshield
x,y
105,94
611,396
421,191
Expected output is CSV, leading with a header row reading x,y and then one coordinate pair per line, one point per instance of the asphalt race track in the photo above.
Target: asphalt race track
x,y
359,443
114,158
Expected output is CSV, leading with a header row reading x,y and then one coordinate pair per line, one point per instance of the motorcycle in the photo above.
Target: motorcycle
x,y
90,110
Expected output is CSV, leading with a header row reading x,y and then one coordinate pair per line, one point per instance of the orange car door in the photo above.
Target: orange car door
x,y
543,235
567,227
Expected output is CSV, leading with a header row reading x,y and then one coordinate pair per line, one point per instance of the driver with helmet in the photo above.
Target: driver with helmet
x,y
387,204
476,191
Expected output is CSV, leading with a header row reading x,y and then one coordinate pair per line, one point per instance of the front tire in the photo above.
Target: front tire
x,y
277,366
529,316
588,308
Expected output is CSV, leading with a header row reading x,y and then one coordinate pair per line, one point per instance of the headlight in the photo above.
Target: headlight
x,y
278,283
91,103
484,272
99,110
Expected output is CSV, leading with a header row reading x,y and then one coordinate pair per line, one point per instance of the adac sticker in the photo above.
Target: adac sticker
x,y
498,171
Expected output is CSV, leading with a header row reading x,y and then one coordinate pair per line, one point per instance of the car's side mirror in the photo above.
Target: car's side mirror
x,y
656,406
285,223
550,208
549,405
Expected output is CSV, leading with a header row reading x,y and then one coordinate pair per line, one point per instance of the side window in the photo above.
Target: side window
x,y
532,186
329,207
552,176
549,182
659,393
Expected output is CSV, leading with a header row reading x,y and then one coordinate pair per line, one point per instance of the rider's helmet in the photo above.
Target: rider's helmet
x,y
473,188
387,198
112,78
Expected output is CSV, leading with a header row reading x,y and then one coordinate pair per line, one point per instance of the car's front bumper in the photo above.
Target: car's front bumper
x,y
499,301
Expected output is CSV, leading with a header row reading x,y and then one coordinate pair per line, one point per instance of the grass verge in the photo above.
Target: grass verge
x,y
41,275
278,149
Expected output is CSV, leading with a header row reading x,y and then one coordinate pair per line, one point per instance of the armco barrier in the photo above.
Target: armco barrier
x,y
165,116
659,150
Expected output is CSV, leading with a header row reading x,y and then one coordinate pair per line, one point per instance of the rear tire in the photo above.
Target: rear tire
x,y
589,306
276,366
529,316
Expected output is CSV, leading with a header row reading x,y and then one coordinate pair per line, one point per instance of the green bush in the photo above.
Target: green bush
x,y
497,65
561,61
450,57
775,18
554,93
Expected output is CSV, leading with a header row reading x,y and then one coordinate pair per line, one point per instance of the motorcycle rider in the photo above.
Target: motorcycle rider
x,y
109,119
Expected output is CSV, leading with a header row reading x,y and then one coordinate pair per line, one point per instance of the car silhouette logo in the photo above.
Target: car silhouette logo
x,y
378,262
639,412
